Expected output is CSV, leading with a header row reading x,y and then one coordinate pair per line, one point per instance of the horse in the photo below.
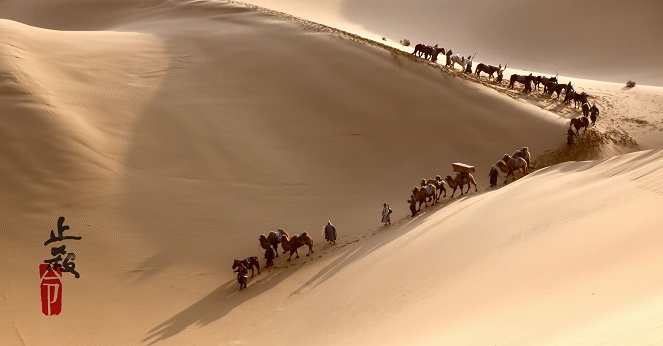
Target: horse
x,y
297,241
249,263
523,153
578,99
426,52
556,88
242,275
419,50
526,80
509,167
489,70
545,81
585,109
540,80
273,239
460,180
579,123
594,112
466,63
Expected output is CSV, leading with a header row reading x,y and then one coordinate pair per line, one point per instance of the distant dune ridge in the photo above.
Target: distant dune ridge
x,y
170,134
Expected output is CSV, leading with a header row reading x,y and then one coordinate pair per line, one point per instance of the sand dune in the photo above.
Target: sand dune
x,y
170,134
601,40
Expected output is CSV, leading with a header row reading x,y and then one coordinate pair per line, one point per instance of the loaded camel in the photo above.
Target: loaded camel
x,y
510,165
295,242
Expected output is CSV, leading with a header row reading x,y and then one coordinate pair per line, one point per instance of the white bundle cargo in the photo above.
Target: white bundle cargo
x,y
461,167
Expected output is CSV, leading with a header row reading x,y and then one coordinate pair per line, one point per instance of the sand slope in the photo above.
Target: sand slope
x,y
600,40
170,134
501,268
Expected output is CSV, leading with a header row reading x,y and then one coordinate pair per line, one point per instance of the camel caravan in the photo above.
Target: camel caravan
x,y
529,82
270,243
509,164
431,190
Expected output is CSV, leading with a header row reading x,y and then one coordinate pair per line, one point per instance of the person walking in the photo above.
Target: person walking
x,y
413,205
570,136
493,176
269,255
386,213
330,233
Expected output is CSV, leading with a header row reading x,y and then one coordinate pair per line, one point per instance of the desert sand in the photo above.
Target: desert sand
x,y
170,134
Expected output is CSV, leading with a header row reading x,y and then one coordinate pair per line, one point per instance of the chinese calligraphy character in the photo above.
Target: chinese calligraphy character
x,y
61,228
68,265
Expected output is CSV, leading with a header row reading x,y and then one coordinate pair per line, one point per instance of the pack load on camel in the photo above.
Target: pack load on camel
x,y
462,168
463,177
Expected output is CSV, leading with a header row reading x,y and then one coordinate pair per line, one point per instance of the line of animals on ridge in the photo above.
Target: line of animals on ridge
x,y
270,243
431,190
550,84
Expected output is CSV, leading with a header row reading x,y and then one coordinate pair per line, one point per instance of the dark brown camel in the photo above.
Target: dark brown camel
x,y
273,240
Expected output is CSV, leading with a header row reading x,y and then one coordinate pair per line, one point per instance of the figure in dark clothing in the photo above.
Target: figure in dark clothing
x,y
570,136
269,255
413,205
330,233
493,176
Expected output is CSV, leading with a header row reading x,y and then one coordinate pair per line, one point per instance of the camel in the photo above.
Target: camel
x,y
439,184
524,153
460,180
425,192
419,196
273,239
509,167
297,241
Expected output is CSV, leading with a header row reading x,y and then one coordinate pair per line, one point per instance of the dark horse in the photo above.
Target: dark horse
x,y
579,123
577,98
249,263
426,52
545,81
489,70
526,80
556,88
585,109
